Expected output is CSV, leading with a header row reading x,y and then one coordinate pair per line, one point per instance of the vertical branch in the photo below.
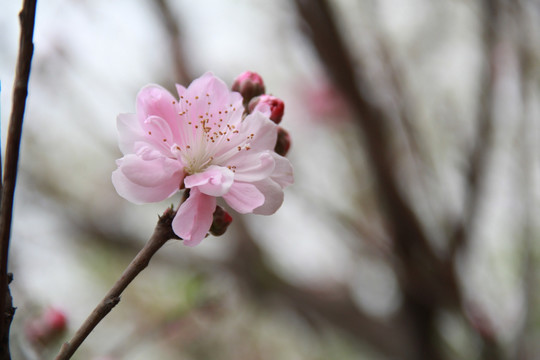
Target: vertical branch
x,y
479,157
428,284
528,268
20,91
528,60
181,74
484,131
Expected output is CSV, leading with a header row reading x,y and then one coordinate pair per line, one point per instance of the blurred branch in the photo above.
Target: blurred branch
x,y
162,233
409,237
20,92
478,159
528,66
317,306
426,282
170,23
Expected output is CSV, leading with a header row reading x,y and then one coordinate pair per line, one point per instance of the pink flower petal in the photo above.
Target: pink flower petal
x,y
214,181
253,167
210,95
194,217
151,172
142,181
158,133
217,90
263,129
145,151
283,171
180,90
129,132
244,197
153,100
264,108
273,197
256,133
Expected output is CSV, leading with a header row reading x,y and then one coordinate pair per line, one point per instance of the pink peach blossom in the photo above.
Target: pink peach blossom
x,y
200,142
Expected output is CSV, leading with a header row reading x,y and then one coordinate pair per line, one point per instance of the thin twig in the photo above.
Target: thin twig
x,y
485,132
170,23
529,81
162,233
20,92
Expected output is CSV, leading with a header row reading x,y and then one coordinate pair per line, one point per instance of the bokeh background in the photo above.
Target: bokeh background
x,y
411,231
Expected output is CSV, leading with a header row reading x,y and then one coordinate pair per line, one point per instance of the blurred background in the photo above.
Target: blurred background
x,y
411,231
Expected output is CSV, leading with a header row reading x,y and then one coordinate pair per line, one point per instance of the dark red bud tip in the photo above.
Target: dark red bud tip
x,y
221,222
283,143
249,84
269,105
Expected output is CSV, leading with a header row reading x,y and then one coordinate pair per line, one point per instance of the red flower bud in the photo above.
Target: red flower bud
x,y
249,84
283,143
221,222
269,105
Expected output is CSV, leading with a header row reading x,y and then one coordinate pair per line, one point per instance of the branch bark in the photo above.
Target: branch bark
x,y
20,92
162,233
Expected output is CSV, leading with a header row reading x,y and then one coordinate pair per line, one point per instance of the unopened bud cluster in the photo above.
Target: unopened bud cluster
x,y
251,86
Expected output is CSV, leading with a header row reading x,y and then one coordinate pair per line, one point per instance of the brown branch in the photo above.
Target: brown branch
x,y
529,80
428,284
410,240
162,233
478,160
20,92
175,38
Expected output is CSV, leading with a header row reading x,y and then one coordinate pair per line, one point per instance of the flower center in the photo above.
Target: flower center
x,y
212,139
196,163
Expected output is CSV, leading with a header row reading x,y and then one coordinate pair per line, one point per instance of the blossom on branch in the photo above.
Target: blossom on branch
x,y
204,142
